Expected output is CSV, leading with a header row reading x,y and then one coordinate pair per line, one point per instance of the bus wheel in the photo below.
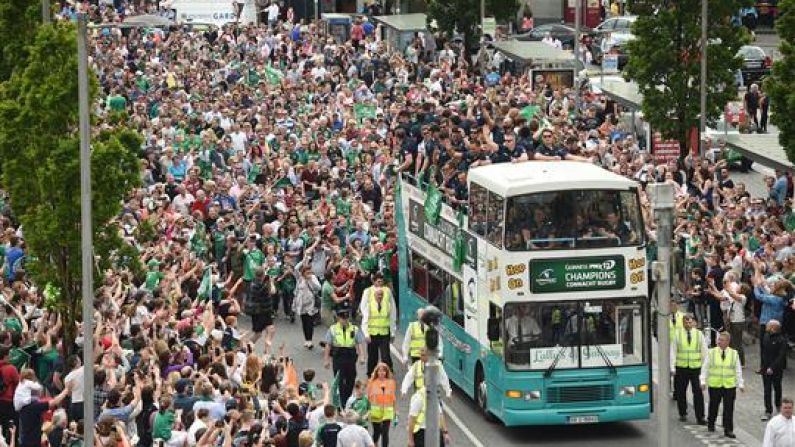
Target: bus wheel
x,y
481,395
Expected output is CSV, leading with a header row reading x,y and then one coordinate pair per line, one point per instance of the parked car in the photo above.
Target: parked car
x,y
621,25
564,33
756,64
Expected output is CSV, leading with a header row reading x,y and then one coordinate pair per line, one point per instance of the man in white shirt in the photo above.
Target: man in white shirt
x,y
521,326
722,372
780,431
273,14
379,322
353,434
417,418
416,376
182,201
688,349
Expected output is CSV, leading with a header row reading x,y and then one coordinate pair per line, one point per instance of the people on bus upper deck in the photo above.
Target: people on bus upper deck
x,y
617,228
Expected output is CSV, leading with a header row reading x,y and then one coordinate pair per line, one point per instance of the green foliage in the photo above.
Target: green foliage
x,y
40,152
502,10
665,62
780,85
463,16
19,20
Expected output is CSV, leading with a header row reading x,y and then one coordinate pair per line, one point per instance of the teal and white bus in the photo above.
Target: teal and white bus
x,y
547,321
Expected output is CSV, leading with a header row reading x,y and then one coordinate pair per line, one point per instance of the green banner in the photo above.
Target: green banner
x,y
577,274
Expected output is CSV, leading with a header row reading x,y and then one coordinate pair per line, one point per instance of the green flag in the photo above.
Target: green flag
x,y
254,172
363,111
274,76
335,392
459,244
433,201
206,286
530,111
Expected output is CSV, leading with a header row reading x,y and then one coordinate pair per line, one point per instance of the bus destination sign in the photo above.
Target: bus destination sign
x,y
441,236
577,274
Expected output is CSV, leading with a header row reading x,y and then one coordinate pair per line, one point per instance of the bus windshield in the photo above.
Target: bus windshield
x,y
555,220
594,333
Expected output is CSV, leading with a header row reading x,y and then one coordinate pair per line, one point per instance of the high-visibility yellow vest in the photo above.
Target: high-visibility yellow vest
x,y
557,316
378,324
680,324
417,340
688,355
344,338
419,374
722,373
419,423
452,304
498,347
591,324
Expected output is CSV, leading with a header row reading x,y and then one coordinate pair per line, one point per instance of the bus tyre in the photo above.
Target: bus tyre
x,y
481,395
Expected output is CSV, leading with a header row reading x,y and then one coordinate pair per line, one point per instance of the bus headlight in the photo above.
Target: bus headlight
x,y
644,388
627,391
533,395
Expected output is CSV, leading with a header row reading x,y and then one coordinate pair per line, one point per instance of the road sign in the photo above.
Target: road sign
x,y
610,63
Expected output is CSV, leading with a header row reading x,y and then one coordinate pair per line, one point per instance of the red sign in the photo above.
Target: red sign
x,y
664,151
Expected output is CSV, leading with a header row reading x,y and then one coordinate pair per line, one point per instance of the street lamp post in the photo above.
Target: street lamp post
x,y
662,199
45,12
86,236
704,45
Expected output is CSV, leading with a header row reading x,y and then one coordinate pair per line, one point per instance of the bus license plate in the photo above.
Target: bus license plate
x,y
583,419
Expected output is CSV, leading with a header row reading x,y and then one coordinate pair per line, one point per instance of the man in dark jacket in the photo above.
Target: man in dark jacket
x,y
774,351
259,306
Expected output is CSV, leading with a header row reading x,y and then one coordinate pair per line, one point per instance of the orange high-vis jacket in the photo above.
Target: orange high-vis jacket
x,y
382,392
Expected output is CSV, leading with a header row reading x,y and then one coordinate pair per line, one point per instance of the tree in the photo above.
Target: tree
x,y
19,20
665,61
780,85
463,16
39,146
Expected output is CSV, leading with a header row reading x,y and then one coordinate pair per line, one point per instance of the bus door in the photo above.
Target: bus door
x,y
630,329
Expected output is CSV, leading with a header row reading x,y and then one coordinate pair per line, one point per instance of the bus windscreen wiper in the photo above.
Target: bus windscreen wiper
x,y
555,361
606,359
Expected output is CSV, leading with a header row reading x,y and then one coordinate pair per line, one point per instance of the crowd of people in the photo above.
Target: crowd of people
x,y
268,200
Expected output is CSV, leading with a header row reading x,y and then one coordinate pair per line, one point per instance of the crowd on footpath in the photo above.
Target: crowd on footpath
x,y
268,198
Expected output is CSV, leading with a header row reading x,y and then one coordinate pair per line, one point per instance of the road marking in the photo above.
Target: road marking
x,y
450,413
708,439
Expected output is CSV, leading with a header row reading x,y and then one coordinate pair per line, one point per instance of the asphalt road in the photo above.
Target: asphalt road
x,y
468,428
769,43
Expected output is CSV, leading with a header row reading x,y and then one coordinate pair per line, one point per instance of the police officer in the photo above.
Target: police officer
x,y
688,348
722,373
378,323
344,344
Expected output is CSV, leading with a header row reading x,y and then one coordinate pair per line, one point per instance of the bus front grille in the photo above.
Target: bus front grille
x,y
589,393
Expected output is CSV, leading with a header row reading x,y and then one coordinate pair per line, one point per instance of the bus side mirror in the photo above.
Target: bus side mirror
x,y
493,329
